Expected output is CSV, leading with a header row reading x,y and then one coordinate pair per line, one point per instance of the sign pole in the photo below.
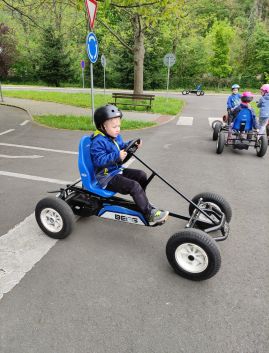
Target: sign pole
x,y
168,74
1,50
92,93
83,78
91,44
2,99
104,80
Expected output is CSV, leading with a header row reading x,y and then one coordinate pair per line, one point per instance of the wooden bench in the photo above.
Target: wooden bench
x,y
141,100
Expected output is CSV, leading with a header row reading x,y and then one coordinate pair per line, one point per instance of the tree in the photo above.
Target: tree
x,y
7,51
144,16
54,62
221,36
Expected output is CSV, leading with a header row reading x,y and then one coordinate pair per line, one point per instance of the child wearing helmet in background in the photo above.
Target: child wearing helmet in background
x,y
263,104
246,98
233,100
107,153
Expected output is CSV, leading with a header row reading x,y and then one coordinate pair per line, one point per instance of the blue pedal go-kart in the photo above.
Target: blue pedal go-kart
x,y
198,91
191,252
241,136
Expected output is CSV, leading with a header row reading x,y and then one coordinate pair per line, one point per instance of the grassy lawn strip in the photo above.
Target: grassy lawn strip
x,y
161,105
72,122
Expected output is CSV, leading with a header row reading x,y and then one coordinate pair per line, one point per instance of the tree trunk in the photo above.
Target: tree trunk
x,y
139,53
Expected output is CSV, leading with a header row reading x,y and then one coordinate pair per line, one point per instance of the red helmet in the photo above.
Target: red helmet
x,y
265,88
247,97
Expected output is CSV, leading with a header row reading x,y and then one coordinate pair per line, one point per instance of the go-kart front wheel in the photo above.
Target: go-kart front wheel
x,y
220,143
211,200
262,145
216,130
185,92
55,217
193,254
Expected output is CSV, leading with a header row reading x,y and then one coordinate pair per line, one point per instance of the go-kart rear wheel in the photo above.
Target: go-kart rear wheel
x,y
210,200
220,143
193,254
262,145
216,130
55,217
198,93
202,93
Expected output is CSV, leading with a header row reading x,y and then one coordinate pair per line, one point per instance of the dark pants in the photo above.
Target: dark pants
x,y
133,182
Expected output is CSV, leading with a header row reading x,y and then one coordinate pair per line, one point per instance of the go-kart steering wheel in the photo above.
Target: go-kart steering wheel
x,y
131,149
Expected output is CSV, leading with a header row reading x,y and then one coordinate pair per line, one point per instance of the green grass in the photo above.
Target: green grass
x,y
161,105
72,122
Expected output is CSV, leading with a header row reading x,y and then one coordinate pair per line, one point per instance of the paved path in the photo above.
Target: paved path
x,y
43,108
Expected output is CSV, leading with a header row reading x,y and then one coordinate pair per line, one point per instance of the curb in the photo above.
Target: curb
x,y
18,107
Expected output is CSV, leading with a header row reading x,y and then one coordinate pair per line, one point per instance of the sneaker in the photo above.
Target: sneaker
x,y
157,217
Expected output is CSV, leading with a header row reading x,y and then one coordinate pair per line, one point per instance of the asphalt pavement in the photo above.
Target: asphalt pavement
x,y
108,287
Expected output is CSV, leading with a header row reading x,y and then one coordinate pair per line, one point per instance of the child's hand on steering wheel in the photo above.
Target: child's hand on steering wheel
x,y
123,154
139,144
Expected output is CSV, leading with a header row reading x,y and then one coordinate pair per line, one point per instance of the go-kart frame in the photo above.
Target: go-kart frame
x,y
191,252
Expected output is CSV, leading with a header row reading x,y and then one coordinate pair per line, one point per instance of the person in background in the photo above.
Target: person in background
x,y
233,101
263,104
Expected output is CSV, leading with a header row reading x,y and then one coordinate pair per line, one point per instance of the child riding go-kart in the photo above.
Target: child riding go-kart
x,y
198,91
191,252
242,132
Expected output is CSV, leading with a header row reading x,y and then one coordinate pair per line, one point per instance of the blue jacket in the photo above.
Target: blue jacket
x,y
233,100
241,106
105,155
263,104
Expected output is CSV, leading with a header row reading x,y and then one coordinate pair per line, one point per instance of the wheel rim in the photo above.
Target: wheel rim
x,y
259,145
191,258
51,220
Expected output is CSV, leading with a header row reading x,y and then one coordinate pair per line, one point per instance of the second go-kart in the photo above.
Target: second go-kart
x,y
240,135
198,91
192,252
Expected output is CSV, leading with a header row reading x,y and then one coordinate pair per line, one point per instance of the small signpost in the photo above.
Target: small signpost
x,y
1,50
103,62
91,42
82,64
169,60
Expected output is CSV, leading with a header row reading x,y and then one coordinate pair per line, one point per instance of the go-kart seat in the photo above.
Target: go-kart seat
x,y
86,169
243,121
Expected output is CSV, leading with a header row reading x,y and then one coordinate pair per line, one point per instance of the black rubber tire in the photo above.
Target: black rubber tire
x,y
184,92
198,93
220,143
263,144
216,130
65,215
214,123
200,240
202,93
216,199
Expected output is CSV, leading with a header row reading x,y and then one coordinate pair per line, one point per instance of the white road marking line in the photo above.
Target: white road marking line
x,y
20,249
30,157
185,120
37,148
6,132
210,120
35,178
25,122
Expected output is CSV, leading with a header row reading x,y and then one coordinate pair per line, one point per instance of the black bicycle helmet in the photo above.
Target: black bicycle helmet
x,y
104,113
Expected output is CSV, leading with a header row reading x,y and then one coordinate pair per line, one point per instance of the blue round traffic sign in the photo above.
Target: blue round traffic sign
x,y
92,47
